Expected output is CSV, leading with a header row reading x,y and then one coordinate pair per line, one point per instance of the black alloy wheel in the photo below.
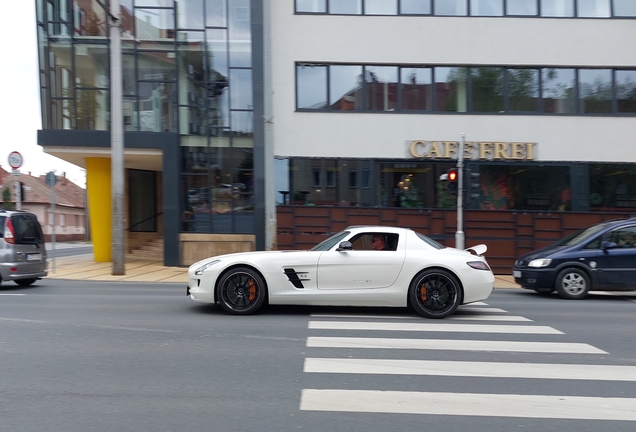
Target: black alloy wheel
x,y
435,293
241,291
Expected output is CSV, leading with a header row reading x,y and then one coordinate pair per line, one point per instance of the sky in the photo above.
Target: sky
x,y
20,117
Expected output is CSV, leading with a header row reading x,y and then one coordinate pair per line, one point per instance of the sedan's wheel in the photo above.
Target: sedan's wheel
x,y
241,291
25,282
572,283
435,293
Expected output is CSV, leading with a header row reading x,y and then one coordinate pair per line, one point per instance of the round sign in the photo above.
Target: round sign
x,y
15,160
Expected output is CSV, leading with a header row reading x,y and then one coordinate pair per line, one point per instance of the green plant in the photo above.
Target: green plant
x,y
6,199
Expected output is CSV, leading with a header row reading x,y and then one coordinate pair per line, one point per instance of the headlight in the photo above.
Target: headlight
x,y
205,266
541,262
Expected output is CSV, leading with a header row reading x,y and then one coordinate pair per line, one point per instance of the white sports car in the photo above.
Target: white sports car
x,y
346,270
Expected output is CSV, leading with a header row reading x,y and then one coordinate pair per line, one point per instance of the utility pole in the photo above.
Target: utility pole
x,y
459,235
116,140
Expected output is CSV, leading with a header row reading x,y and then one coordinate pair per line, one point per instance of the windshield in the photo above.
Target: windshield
x,y
581,236
430,241
330,242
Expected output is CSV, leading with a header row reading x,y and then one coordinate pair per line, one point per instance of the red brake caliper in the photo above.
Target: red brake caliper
x,y
423,293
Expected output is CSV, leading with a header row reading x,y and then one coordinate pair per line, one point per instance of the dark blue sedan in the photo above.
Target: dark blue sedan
x,y
598,258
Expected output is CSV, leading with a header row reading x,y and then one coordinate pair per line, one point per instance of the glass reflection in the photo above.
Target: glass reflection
x,y
626,91
189,14
595,90
380,7
558,90
451,7
450,89
345,7
625,8
215,13
523,89
417,89
155,28
158,65
521,7
312,87
486,7
487,89
240,34
345,87
593,8
415,7
91,65
557,8
315,6
241,90
157,107
92,109
381,87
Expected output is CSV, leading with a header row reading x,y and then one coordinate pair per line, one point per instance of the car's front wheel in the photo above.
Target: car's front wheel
x,y
241,291
572,283
435,293
25,282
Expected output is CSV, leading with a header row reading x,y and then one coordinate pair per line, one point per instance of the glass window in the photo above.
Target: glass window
x,y
345,87
216,13
217,55
380,7
316,177
241,89
353,179
366,178
626,91
316,6
242,127
595,90
612,187
450,89
156,66
558,90
624,8
487,89
92,109
417,89
521,7
415,7
523,89
331,177
166,3
62,111
450,7
89,19
155,28
240,34
189,14
380,87
486,7
128,74
157,107
91,65
60,70
345,7
312,87
593,8
557,8
131,114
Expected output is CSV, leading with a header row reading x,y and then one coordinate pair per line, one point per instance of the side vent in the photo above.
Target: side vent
x,y
293,278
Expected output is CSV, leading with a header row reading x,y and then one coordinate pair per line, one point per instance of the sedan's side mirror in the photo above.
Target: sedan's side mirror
x,y
344,246
608,245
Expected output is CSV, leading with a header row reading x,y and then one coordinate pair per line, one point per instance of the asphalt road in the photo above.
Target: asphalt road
x,y
80,356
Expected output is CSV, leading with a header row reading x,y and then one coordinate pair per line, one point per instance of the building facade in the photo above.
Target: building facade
x,y
233,106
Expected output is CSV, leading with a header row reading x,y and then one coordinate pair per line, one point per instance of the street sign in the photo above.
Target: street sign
x,y
51,179
15,160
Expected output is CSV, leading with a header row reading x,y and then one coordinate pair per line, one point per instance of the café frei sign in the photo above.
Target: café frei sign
x,y
478,150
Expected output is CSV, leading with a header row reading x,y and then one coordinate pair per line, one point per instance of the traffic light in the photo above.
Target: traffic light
x,y
473,186
452,175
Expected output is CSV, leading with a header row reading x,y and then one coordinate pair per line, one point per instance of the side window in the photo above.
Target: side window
x,y
375,241
2,219
26,228
624,237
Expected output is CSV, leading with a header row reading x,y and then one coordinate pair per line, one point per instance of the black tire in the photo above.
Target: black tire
x,y
25,282
572,283
435,293
241,291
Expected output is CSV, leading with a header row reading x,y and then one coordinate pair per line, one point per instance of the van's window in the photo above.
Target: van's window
x,y
26,229
2,219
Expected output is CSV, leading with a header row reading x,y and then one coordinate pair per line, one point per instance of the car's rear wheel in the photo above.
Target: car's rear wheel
x,y
25,282
241,291
572,283
435,293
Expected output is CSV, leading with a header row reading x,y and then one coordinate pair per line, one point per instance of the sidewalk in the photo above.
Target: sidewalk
x,y
84,267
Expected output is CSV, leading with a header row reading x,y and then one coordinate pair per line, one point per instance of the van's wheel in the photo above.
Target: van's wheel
x,y
435,293
572,283
25,282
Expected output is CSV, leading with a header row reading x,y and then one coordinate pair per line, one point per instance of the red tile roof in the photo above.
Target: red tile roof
x,y
67,193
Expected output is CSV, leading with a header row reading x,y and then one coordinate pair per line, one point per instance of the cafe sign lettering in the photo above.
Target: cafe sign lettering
x,y
483,150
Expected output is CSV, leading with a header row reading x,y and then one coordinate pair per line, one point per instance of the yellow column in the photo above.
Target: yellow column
x,y
98,188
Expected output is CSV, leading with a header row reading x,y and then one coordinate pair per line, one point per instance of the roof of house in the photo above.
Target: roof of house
x,y
36,190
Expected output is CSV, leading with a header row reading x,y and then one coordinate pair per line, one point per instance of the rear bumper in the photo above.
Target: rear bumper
x,y
16,271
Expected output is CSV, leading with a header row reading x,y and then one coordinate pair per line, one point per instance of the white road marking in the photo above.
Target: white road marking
x,y
469,404
11,294
480,317
431,327
454,345
471,369
472,308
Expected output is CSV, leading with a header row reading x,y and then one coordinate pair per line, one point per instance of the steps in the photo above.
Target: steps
x,y
151,250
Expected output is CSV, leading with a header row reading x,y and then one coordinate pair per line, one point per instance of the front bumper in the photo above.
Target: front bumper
x,y
196,292
534,278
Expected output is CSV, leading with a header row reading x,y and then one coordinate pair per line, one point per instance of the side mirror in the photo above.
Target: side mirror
x,y
608,245
344,246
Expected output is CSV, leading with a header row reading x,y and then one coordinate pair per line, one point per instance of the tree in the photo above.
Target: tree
x,y
6,198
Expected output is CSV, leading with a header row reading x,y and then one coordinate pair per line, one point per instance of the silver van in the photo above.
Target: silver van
x,y
22,250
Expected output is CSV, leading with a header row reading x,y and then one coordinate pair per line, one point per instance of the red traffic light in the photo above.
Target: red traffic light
x,y
452,175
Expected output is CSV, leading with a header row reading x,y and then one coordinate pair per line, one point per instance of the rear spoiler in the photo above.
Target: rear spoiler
x,y
478,250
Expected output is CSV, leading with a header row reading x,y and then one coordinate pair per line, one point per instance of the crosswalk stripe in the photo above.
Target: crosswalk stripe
x,y
480,309
471,369
469,404
454,345
480,317
456,317
431,327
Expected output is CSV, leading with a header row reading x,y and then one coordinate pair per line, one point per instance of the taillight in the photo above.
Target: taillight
x,y
9,234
